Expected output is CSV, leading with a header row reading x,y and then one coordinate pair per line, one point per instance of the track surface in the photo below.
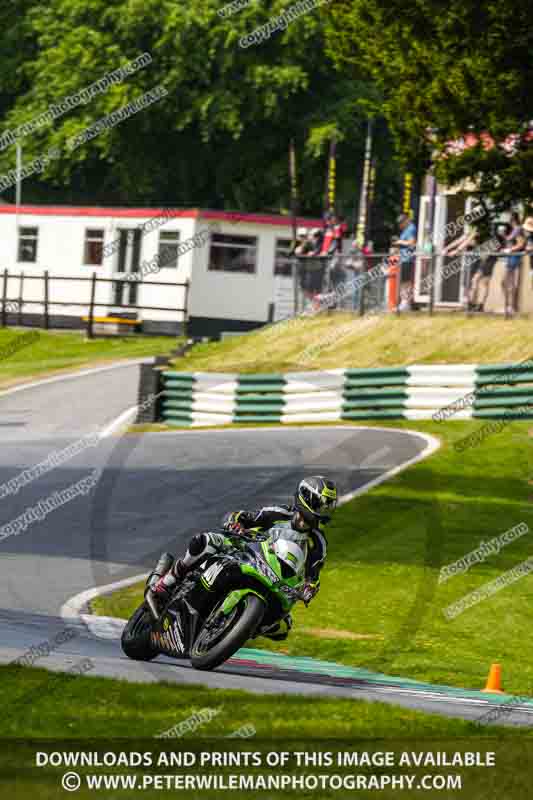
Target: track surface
x,y
154,492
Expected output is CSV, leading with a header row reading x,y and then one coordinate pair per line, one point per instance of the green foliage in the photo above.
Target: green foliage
x,y
220,137
446,69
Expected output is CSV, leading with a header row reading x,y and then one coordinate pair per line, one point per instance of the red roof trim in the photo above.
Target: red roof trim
x,y
188,213
92,211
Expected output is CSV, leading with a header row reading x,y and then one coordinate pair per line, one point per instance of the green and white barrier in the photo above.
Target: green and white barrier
x,y
458,391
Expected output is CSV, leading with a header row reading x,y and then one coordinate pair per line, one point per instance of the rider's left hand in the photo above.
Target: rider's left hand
x,y
309,591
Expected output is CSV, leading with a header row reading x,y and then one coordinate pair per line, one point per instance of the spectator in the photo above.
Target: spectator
x,y
306,245
337,279
316,239
312,272
301,236
339,231
488,263
335,229
466,243
328,216
328,242
516,245
406,241
355,263
368,251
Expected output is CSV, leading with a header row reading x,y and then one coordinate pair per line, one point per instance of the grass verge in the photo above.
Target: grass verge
x,y
380,589
31,353
37,703
329,340
65,714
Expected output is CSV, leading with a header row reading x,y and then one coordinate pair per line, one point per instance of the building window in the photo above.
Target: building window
x,y
232,253
28,238
282,260
93,252
168,248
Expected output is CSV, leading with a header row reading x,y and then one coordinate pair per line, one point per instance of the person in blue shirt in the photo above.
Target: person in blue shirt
x,y
406,241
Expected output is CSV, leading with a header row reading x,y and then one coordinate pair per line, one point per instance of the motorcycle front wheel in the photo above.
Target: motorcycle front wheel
x,y
223,634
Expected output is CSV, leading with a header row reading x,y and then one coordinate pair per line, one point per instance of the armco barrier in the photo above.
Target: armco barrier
x,y
457,391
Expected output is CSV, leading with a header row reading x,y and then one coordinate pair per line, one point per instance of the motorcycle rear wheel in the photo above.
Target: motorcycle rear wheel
x,y
135,640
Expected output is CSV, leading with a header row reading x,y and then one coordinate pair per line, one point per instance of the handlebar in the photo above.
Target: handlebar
x,y
242,535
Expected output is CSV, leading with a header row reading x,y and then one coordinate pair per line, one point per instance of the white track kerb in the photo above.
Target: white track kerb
x,y
110,627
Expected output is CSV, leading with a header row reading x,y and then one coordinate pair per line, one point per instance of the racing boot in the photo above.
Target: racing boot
x,y
277,632
163,580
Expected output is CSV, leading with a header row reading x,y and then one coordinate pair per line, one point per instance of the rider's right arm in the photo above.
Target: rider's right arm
x,y
260,520
269,516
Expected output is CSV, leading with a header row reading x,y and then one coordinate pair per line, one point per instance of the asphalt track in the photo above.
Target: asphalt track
x,y
153,492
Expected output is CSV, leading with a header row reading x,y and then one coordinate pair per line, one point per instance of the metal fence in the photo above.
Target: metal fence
x,y
383,282
52,289
359,283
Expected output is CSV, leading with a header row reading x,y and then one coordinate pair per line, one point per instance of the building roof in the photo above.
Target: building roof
x,y
186,213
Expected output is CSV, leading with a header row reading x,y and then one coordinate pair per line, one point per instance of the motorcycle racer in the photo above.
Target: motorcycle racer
x,y
314,502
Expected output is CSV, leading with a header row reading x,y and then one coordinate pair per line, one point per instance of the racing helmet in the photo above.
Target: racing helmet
x,y
291,556
316,499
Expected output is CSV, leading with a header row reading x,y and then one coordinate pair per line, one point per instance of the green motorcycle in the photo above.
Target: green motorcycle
x,y
229,598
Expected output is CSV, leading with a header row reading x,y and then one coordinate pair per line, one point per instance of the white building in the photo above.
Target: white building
x,y
236,268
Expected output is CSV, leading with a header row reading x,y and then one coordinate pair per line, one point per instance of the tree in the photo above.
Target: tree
x,y
446,69
220,136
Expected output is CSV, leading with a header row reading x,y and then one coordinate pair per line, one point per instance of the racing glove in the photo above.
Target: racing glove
x,y
237,521
309,591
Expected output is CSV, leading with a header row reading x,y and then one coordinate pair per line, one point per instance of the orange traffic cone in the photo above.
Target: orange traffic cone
x,y
494,679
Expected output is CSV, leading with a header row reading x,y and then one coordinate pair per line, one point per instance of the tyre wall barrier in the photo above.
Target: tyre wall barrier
x,y
440,392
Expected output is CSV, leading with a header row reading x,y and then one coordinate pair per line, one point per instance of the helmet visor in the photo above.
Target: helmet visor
x,y
320,502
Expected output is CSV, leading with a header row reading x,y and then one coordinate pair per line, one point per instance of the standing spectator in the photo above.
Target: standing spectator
x,y
304,242
516,245
337,279
466,243
339,231
336,228
305,246
312,272
355,263
487,265
328,216
317,238
328,240
301,236
406,241
368,251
